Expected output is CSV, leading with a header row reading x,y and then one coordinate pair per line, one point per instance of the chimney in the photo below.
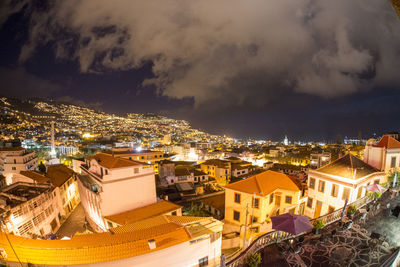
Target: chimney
x,y
152,243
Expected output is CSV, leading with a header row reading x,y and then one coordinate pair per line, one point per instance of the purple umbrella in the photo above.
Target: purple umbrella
x,y
291,223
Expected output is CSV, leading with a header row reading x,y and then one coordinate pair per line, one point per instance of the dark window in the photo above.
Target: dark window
x,y
376,181
236,215
174,213
203,262
312,183
256,202
309,202
255,219
13,168
237,198
271,198
393,163
106,172
288,199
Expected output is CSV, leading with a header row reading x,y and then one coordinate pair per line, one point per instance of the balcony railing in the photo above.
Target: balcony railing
x,y
278,236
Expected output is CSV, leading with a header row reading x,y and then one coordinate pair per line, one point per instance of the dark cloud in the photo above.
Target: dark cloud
x,y
234,53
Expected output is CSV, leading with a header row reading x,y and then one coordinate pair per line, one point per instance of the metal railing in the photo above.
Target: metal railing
x,y
278,236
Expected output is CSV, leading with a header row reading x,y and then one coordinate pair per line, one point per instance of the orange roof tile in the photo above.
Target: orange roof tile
x,y
264,183
123,242
59,174
388,142
36,176
148,211
110,162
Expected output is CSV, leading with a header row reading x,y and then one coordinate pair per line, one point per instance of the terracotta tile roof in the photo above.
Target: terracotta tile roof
x,y
183,170
110,162
264,183
348,166
145,212
11,149
58,174
184,220
388,142
217,162
36,176
217,202
123,242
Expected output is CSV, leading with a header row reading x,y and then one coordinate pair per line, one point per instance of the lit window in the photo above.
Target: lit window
x,y
321,186
346,193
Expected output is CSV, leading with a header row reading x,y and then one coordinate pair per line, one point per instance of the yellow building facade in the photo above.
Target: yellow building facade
x,y
263,195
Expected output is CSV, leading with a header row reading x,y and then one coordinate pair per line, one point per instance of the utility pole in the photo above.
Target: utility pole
x,y
245,226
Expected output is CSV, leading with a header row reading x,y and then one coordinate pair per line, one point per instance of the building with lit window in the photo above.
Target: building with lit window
x,y
16,159
318,160
262,195
65,181
344,178
385,155
111,185
29,210
145,156
218,169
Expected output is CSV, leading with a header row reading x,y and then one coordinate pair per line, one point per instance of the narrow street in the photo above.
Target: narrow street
x,y
74,223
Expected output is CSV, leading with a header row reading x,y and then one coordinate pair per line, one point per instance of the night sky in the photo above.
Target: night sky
x,y
262,69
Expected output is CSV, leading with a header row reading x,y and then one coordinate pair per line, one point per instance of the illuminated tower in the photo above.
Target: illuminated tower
x,y
53,148
286,141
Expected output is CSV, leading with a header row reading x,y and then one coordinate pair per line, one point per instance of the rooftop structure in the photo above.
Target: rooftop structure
x,y
343,179
385,155
149,211
148,242
29,210
110,185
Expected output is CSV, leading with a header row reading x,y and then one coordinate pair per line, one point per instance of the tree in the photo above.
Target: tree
x,y
42,167
391,175
253,260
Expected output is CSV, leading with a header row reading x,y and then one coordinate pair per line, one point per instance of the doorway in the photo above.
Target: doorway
x,y
318,209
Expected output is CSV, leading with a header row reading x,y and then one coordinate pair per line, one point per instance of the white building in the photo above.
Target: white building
x,y
29,210
344,178
110,185
16,159
385,155
318,160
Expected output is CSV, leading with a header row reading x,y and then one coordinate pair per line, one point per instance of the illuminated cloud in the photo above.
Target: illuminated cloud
x,y
227,52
